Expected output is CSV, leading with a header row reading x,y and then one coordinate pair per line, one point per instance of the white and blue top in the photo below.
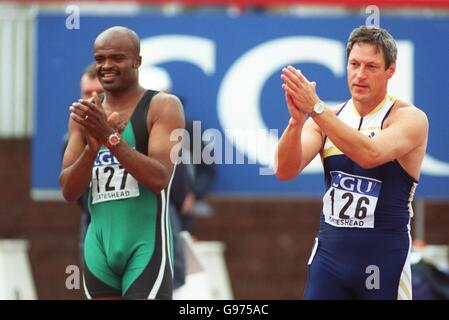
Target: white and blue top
x,y
356,198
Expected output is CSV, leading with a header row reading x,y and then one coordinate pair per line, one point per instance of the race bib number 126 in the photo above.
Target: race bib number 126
x,y
351,200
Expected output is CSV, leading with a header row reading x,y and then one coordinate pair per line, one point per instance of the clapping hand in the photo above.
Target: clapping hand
x,y
300,92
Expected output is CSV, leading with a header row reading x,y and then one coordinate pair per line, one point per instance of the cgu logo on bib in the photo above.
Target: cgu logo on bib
x,y
105,157
352,183
351,200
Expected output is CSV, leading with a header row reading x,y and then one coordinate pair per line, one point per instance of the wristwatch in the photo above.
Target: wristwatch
x,y
113,140
318,109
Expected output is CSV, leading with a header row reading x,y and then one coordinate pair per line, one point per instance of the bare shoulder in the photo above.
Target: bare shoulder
x,y
406,111
163,100
168,106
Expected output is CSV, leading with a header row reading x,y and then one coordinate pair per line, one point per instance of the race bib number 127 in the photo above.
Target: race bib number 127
x,y
110,181
351,200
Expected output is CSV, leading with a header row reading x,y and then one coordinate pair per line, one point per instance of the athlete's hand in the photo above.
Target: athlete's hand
x,y
301,90
116,121
296,115
93,118
94,144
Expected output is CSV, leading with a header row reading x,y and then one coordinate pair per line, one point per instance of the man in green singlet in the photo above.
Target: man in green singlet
x,y
120,145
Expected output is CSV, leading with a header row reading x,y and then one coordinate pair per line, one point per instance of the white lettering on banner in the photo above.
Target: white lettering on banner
x,y
160,49
262,61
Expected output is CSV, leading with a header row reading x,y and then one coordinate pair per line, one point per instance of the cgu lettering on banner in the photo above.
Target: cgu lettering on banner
x,y
263,61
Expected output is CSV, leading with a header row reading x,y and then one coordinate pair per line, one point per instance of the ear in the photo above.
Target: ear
x,y
391,70
138,62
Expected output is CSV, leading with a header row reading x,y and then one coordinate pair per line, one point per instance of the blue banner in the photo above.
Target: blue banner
x,y
227,72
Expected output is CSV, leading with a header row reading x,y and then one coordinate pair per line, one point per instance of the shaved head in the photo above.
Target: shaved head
x,y
122,33
117,58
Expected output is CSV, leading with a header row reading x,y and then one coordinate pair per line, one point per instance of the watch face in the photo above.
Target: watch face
x,y
319,108
114,139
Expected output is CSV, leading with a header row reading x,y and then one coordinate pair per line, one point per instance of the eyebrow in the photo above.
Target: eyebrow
x,y
113,55
367,62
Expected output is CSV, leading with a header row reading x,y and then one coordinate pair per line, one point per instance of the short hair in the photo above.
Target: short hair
x,y
378,37
90,71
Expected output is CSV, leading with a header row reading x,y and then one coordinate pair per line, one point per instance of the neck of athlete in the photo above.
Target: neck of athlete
x,y
365,106
123,97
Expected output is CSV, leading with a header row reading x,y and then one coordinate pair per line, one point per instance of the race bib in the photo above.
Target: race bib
x,y
110,181
351,200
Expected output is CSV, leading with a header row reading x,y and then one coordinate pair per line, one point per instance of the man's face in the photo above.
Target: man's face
x,y
367,77
89,85
116,63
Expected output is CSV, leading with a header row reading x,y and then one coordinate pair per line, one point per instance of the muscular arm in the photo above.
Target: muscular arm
x,y
77,164
299,144
406,131
154,170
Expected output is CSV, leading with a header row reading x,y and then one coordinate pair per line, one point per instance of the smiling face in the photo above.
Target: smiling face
x,y
116,61
367,76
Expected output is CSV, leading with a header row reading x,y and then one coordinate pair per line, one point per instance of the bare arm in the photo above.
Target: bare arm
x,y
77,163
407,131
79,157
299,144
154,170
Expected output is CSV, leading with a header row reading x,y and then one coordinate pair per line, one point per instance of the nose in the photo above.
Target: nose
x,y
107,64
361,73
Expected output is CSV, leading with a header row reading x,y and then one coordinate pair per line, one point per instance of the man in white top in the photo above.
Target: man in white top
x,y
372,148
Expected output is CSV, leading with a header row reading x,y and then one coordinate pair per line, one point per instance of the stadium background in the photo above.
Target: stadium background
x,y
268,239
